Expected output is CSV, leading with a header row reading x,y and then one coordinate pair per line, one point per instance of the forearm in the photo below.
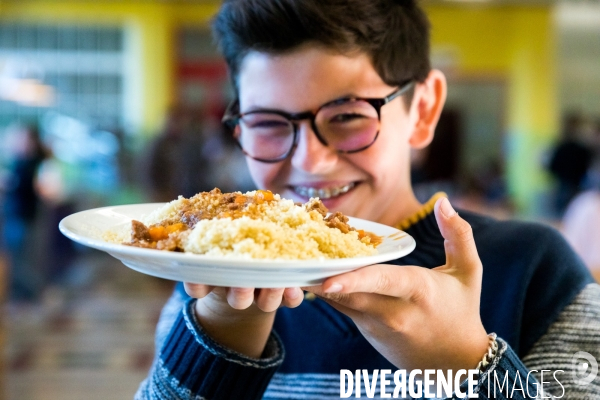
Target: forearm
x,y
244,331
191,364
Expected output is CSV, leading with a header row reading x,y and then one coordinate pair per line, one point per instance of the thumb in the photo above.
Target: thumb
x,y
461,252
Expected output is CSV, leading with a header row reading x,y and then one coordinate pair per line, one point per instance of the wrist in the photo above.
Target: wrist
x,y
490,354
244,331
473,350
480,347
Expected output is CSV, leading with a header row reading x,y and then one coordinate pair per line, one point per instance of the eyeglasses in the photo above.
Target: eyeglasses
x,y
348,125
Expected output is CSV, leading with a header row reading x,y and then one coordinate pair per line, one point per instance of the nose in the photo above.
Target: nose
x,y
310,155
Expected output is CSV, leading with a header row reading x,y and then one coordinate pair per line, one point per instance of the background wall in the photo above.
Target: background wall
x,y
150,40
519,51
516,45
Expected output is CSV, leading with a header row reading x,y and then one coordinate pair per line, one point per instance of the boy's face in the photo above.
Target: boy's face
x,y
373,183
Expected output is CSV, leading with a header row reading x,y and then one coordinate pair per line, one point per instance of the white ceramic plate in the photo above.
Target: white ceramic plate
x,y
88,227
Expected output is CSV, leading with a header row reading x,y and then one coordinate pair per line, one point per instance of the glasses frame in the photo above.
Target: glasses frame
x,y
231,119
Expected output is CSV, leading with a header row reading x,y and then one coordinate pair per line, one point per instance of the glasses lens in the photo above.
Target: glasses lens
x,y
348,126
265,136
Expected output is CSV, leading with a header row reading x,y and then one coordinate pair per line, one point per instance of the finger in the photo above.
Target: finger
x,y
344,302
350,312
240,298
269,299
197,290
383,279
313,289
292,297
461,252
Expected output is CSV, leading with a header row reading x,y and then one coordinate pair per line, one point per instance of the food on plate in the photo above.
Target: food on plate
x,y
257,224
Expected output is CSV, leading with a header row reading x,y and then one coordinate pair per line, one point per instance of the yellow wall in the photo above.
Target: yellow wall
x,y
518,44
513,42
152,25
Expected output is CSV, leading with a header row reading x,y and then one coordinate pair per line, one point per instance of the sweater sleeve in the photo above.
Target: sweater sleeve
x,y
553,367
193,366
508,378
570,342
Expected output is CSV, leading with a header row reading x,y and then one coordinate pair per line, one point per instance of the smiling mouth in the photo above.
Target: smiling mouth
x,y
322,193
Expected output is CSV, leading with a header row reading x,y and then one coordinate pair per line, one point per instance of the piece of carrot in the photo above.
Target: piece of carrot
x,y
263,195
240,199
158,233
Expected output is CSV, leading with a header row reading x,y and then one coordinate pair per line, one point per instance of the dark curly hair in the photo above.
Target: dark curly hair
x,y
395,34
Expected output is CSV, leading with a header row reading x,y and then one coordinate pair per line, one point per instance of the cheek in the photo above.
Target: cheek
x,y
393,143
384,156
387,160
396,125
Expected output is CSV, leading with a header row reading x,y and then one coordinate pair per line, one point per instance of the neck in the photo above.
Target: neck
x,y
421,212
404,206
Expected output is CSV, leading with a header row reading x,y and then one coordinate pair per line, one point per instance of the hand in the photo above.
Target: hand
x,y
416,317
240,319
266,300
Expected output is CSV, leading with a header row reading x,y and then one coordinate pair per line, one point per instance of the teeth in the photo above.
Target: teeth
x,y
324,193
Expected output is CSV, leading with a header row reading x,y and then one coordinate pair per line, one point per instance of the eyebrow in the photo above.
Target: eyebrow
x,y
278,110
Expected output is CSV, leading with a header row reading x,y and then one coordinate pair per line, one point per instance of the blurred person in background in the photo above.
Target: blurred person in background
x,y
569,162
20,209
581,227
581,222
593,175
194,154
228,169
176,164
57,194
436,167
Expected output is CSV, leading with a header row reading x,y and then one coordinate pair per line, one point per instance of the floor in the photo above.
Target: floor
x,y
89,339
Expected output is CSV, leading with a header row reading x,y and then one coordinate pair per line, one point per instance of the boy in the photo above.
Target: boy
x,y
331,97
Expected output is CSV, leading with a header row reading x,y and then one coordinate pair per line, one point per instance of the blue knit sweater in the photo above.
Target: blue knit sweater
x,y
530,276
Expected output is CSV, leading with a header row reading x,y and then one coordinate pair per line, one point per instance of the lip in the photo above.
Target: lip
x,y
321,185
331,202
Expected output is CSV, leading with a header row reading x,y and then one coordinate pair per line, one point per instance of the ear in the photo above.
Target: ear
x,y
427,104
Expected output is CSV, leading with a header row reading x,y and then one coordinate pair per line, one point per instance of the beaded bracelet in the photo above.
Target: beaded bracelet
x,y
489,355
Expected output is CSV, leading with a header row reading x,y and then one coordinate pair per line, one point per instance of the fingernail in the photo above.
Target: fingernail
x,y
293,294
446,208
336,287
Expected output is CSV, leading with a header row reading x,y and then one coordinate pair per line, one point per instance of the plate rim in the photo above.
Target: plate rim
x,y
406,245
